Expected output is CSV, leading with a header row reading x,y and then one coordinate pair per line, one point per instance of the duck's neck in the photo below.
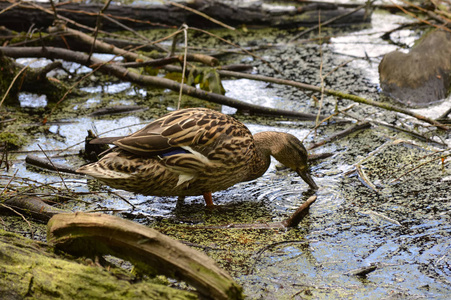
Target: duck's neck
x,y
263,143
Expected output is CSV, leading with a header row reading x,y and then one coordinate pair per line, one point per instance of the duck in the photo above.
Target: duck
x,y
192,152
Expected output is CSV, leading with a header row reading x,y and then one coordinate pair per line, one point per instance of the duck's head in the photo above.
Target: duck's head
x,y
289,151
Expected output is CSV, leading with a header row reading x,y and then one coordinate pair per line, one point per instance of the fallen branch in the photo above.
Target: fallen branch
x,y
362,272
125,74
340,95
146,248
206,14
33,206
318,156
340,134
44,163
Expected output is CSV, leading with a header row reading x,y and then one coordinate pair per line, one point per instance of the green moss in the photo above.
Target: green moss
x,y
30,271
12,140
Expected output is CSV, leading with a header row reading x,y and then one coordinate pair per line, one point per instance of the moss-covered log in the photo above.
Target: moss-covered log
x,y
29,270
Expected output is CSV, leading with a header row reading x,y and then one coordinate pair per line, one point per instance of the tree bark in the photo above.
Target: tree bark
x,y
22,17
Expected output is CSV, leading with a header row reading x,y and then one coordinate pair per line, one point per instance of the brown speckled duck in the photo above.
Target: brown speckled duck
x,y
194,151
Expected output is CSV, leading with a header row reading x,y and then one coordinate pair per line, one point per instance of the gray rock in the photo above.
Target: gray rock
x,y
421,77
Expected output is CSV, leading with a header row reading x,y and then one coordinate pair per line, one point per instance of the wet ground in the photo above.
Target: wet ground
x,y
394,214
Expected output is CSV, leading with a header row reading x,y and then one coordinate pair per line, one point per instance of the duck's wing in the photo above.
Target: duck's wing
x,y
194,130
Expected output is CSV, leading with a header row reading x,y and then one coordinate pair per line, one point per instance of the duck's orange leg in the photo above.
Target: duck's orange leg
x,y
208,199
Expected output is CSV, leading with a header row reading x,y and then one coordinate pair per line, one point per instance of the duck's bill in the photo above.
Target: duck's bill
x,y
308,179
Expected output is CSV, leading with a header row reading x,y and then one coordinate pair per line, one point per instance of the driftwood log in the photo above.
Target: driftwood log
x,y
146,248
22,16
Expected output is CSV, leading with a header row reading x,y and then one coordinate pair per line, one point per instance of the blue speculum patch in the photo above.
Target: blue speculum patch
x,y
174,151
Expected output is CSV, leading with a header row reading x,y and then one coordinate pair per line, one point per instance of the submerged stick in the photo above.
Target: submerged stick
x,y
46,164
362,272
292,221
299,214
341,134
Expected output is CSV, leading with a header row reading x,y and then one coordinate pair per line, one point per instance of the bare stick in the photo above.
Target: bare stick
x,y
55,168
185,31
299,214
12,84
341,134
48,164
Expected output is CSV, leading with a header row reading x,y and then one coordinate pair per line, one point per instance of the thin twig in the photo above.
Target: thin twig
x,y
9,182
418,166
98,25
55,16
327,22
12,83
239,47
185,31
56,169
22,216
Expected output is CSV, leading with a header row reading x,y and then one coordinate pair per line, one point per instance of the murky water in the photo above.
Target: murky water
x,y
401,226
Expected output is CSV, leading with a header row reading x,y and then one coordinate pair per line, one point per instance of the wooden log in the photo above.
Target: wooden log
x,y
146,248
34,206
21,17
